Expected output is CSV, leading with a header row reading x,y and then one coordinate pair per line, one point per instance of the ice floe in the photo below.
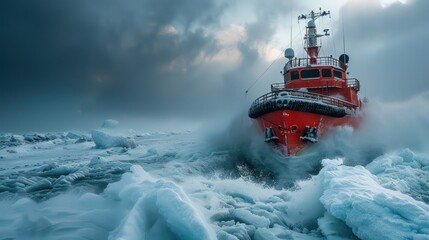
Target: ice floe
x,y
357,197
172,187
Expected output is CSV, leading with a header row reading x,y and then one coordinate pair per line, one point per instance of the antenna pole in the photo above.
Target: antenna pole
x,y
344,35
312,47
291,31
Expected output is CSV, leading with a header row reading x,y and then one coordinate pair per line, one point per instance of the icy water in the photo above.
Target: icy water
x,y
366,184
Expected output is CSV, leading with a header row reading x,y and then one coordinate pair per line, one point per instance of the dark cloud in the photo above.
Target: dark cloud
x,y
67,64
64,62
67,57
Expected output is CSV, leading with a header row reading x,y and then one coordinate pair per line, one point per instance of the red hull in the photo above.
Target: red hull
x,y
289,126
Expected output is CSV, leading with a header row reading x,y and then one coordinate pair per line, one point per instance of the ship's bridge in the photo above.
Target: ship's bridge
x,y
321,75
325,72
320,61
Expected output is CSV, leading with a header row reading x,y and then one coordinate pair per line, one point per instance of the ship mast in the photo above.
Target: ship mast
x,y
311,47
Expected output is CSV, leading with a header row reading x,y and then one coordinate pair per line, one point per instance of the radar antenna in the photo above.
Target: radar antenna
x,y
311,46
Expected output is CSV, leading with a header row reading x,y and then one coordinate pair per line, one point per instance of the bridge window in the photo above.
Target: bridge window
x,y
294,75
338,74
313,73
326,73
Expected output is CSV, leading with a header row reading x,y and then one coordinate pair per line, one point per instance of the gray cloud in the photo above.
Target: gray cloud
x,y
66,64
388,47
68,57
64,61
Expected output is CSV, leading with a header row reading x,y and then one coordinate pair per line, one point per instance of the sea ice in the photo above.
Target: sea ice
x,y
335,229
40,185
355,196
191,192
403,171
249,218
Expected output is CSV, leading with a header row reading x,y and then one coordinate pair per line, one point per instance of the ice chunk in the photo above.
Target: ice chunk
x,y
40,185
158,210
37,137
235,231
9,140
264,234
247,217
53,170
78,136
16,138
355,196
180,215
68,216
334,228
12,151
68,179
403,171
74,135
97,160
25,181
103,139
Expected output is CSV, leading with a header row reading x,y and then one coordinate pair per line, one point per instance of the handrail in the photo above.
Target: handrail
x,y
305,62
293,94
277,87
349,83
353,83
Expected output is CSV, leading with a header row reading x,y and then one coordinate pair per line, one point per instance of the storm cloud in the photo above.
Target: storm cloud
x,y
388,47
66,64
65,60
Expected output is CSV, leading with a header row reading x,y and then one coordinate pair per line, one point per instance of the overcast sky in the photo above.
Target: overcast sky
x,y
70,64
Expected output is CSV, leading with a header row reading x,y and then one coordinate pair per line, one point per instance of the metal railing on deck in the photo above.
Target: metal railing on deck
x,y
277,87
353,83
305,62
350,82
292,94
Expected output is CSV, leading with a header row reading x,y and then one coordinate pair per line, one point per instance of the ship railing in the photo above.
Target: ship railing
x,y
350,83
353,83
276,87
299,95
324,61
